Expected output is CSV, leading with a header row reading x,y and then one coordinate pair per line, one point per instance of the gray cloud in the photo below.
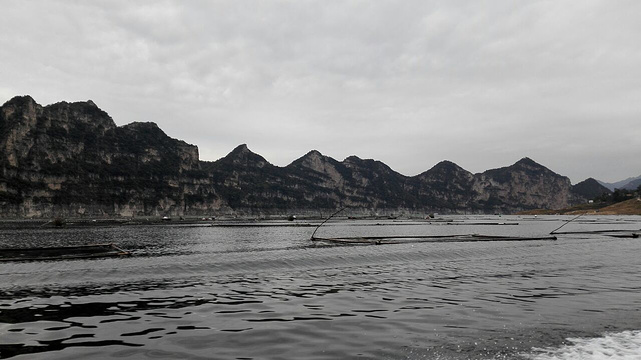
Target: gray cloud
x,y
409,83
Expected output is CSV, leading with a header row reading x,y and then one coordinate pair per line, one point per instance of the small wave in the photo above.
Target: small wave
x,y
625,345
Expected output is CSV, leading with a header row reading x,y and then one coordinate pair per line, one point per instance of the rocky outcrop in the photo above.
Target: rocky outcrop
x,y
70,159
448,188
524,185
317,181
247,182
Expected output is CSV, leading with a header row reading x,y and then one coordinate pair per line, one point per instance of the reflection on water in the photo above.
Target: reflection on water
x,y
265,292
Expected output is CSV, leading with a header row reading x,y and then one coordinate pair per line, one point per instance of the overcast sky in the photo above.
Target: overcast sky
x,y
410,83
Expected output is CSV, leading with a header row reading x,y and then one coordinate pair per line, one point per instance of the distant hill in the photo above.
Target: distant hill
x,y
590,189
71,160
632,185
623,184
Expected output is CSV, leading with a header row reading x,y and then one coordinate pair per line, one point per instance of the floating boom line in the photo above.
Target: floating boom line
x,y
62,252
596,231
401,239
379,240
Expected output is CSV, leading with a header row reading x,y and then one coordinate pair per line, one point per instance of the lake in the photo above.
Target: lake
x,y
263,290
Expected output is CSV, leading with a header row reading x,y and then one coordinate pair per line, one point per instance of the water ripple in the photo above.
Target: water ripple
x,y
266,293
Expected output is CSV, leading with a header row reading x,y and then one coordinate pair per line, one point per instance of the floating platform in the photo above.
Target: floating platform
x,y
380,240
62,253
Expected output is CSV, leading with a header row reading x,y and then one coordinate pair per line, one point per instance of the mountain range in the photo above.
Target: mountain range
x,y
628,184
71,160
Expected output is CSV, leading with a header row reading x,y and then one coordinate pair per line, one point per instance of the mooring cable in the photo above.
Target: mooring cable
x,y
553,231
321,224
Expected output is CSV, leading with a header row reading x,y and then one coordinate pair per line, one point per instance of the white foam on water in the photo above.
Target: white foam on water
x,y
625,345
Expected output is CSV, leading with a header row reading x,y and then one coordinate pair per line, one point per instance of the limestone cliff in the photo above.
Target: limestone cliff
x,y
524,185
70,159
367,186
447,187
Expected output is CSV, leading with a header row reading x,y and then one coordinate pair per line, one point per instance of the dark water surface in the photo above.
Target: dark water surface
x,y
266,292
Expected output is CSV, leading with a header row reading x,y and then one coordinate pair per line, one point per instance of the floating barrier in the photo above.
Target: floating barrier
x,y
62,253
395,239
595,232
628,235
380,240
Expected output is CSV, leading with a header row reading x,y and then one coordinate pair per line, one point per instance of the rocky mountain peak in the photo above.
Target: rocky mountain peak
x,y
311,156
317,167
241,155
445,170
144,126
523,167
20,108
354,161
446,163
446,166
526,162
21,100
369,166
534,185
82,113
240,149
313,159
149,134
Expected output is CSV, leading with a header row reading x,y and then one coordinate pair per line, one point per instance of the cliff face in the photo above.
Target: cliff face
x,y
317,181
448,187
70,159
28,131
247,182
524,185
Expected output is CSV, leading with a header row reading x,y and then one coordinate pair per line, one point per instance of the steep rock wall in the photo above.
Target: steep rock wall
x,y
70,159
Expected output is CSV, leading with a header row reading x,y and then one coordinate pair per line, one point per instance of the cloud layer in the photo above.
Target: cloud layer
x,y
481,83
